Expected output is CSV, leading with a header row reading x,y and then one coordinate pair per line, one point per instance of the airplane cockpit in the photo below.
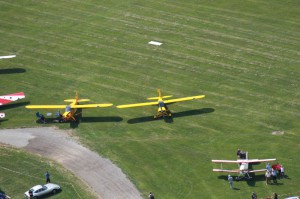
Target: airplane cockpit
x,y
161,104
68,108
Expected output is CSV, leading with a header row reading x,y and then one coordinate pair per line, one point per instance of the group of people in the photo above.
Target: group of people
x,y
274,172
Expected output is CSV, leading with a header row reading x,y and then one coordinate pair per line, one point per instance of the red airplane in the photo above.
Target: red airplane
x,y
5,99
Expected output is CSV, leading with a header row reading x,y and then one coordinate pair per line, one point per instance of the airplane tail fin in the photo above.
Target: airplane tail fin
x,y
79,100
76,99
159,96
156,98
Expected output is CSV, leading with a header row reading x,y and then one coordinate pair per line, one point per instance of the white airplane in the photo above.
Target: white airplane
x,y
243,169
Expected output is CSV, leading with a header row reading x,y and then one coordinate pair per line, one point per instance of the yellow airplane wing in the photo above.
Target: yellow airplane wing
x,y
91,106
45,106
183,99
137,105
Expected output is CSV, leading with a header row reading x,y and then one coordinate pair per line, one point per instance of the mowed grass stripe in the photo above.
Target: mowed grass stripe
x,y
258,38
241,12
225,37
56,55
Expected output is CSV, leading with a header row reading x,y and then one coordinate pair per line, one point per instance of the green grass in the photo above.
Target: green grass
x,y
19,171
243,56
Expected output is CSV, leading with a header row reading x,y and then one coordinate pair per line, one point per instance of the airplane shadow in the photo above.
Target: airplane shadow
x,y
14,105
53,120
12,70
101,119
3,120
251,182
175,115
81,119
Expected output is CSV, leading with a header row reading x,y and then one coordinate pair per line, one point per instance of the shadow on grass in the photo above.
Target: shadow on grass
x,y
94,119
101,119
80,119
175,115
251,182
12,70
50,194
14,105
3,120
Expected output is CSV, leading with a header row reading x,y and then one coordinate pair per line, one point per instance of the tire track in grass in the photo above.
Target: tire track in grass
x,y
271,38
223,10
80,60
236,58
221,25
267,54
242,38
218,34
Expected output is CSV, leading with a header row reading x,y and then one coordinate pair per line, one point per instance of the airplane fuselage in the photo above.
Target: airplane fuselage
x,y
69,113
162,110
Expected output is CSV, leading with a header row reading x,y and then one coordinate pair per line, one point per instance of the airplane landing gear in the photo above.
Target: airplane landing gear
x,y
163,114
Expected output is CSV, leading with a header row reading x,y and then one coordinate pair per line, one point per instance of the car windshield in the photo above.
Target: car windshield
x,y
44,187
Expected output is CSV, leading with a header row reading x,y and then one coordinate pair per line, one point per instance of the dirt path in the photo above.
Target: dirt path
x,y
105,178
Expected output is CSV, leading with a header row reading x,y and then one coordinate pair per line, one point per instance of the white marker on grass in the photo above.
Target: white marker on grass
x,y
7,57
156,43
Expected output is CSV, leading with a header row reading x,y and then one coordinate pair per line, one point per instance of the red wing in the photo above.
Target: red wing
x,y
5,99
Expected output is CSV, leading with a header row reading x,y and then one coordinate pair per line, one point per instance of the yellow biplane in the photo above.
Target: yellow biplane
x,y
162,110
70,110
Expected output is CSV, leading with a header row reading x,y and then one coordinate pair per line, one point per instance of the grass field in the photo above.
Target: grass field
x,y
19,171
244,56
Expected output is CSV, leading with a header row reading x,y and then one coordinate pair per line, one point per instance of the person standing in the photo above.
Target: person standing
x,y
268,167
47,175
230,180
253,196
268,177
282,171
238,153
275,196
274,176
151,196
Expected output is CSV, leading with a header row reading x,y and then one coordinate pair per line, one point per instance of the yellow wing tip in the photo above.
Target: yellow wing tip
x,y
122,106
